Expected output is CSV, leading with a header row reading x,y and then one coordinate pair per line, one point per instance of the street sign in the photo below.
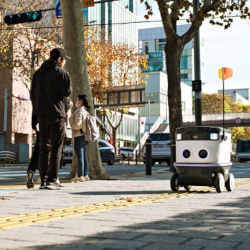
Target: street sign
x,y
87,3
196,85
58,10
225,73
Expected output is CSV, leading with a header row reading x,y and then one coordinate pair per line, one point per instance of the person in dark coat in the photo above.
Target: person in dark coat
x,y
49,90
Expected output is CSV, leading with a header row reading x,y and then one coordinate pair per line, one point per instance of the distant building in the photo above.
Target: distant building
x,y
152,42
15,113
238,95
120,18
156,94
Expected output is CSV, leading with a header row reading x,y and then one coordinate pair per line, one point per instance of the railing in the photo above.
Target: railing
x,y
153,128
7,157
210,117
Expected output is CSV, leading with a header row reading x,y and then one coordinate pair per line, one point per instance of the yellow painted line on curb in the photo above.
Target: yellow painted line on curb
x,y
61,213
56,214
12,186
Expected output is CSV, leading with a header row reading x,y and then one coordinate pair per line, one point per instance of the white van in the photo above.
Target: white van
x,y
160,148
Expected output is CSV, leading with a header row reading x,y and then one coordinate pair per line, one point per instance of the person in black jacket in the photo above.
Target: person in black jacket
x,y
49,90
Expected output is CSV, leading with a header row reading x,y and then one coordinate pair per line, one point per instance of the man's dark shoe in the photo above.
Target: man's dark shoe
x,y
43,185
30,181
53,185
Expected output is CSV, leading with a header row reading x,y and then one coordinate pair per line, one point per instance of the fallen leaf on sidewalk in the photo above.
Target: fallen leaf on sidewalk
x,y
128,199
4,198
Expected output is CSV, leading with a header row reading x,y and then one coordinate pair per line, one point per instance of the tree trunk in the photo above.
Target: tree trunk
x,y
114,131
73,38
173,50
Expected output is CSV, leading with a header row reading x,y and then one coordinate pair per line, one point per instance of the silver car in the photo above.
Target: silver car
x,y
106,150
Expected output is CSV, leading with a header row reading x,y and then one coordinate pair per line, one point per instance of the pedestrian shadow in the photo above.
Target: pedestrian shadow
x,y
225,226
144,192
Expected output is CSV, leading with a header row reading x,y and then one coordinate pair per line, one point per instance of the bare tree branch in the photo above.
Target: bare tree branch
x,y
166,18
209,5
120,121
175,11
111,124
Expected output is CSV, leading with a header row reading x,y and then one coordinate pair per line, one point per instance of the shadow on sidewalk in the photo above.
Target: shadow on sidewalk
x,y
123,192
226,226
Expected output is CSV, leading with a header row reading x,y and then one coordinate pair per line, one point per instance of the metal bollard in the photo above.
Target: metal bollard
x,y
148,157
136,158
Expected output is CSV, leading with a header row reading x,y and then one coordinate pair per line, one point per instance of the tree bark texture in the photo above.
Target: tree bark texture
x,y
173,55
73,38
173,50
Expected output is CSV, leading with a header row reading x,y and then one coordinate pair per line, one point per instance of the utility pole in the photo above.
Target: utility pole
x,y
196,84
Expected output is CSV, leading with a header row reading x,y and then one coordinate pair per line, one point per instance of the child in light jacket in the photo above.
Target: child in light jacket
x,y
78,125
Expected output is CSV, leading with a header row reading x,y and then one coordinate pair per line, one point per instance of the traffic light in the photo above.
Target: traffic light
x,y
26,17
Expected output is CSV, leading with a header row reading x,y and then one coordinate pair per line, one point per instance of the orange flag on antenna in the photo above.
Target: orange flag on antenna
x,y
228,73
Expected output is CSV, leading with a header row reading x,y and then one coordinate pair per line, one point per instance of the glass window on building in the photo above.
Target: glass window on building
x,y
113,98
146,47
154,97
155,61
110,20
184,62
184,76
161,44
124,97
85,14
135,96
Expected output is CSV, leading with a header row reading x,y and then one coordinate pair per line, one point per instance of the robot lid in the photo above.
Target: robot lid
x,y
200,133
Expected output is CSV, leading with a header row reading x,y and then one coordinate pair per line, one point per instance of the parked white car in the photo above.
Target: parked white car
x,y
160,148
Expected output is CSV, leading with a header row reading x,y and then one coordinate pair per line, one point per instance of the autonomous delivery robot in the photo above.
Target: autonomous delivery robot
x,y
203,158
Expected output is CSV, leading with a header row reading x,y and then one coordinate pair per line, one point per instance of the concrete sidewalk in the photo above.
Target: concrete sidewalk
x,y
131,213
16,174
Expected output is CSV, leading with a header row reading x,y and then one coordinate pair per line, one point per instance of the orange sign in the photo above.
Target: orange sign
x,y
87,3
228,73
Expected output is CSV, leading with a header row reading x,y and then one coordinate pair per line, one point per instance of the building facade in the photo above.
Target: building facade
x,y
116,20
152,42
238,95
15,112
156,96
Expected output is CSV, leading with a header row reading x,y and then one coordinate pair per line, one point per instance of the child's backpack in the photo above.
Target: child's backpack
x,y
92,130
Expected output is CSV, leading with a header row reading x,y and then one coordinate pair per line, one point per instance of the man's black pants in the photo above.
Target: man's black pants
x,y
34,161
51,142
